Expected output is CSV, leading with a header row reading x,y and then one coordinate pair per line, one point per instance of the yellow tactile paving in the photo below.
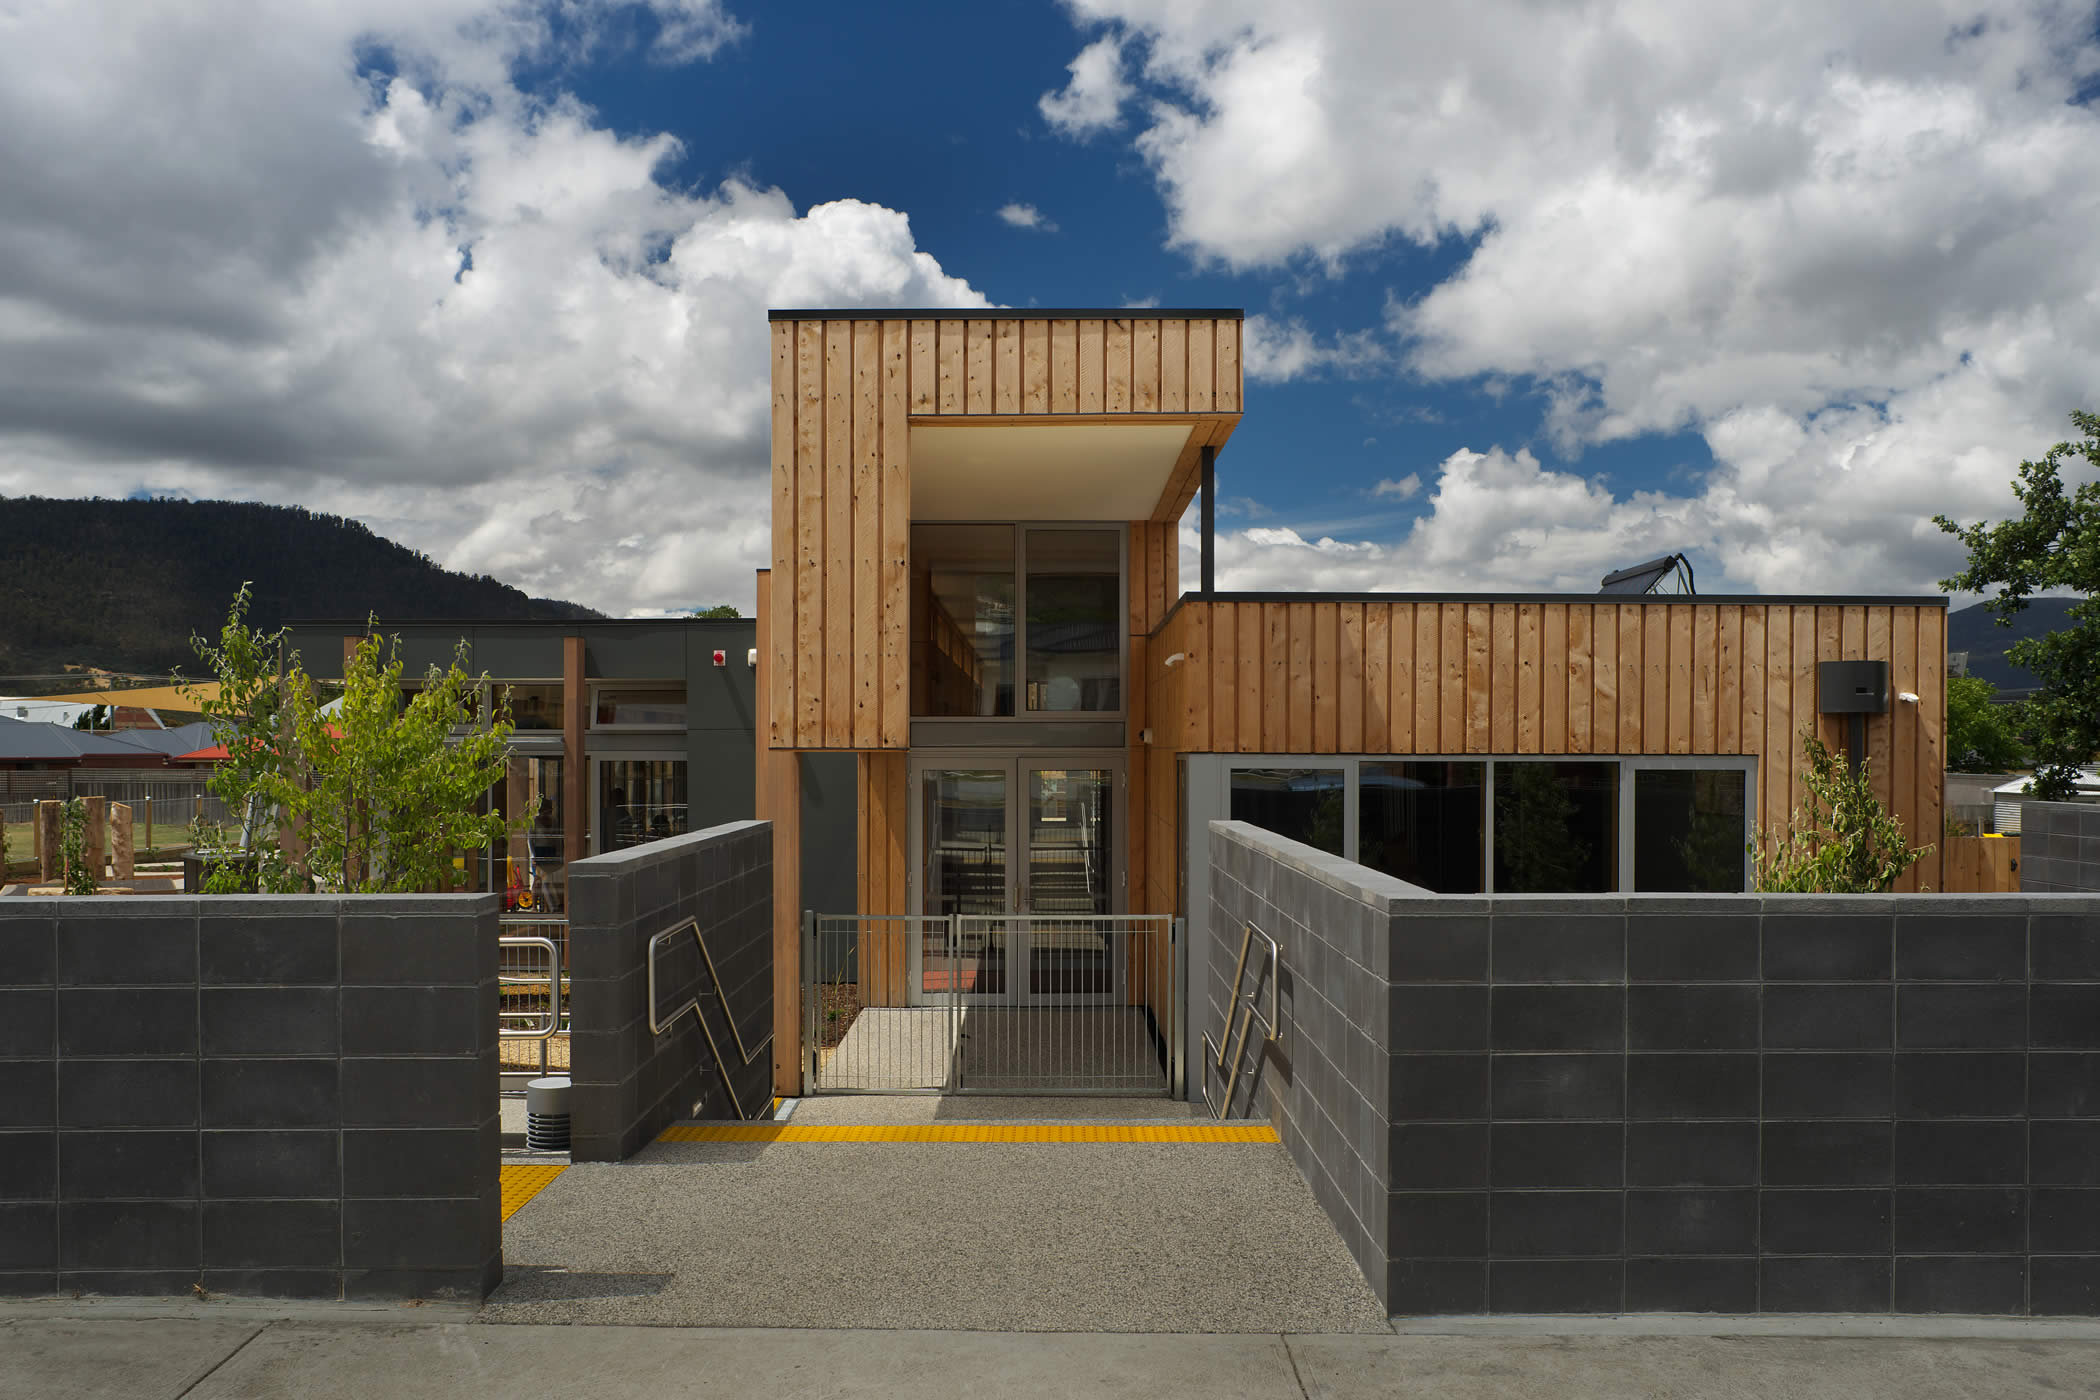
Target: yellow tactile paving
x,y
970,1132
522,1183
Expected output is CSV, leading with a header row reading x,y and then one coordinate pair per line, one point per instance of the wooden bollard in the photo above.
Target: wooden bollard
x,y
47,821
120,851
97,841
149,824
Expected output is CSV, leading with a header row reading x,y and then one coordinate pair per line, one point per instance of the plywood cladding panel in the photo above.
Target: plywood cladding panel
x,y
845,392
1484,677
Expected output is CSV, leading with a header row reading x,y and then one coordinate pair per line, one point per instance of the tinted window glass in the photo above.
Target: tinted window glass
x,y
1074,596
1302,804
1688,829
962,621
1421,822
1556,828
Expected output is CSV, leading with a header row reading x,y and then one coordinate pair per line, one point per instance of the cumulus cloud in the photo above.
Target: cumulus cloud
x,y
361,269
1404,489
1025,216
1850,245
1092,101
1279,350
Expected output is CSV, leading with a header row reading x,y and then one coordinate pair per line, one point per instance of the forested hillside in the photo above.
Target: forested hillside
x,y
123,584
1977,632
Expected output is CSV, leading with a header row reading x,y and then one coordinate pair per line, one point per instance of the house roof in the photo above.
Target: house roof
x,y
28,739
169,742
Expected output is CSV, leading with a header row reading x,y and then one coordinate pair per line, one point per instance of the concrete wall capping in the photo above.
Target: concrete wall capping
x,y
1683,1103
213,1063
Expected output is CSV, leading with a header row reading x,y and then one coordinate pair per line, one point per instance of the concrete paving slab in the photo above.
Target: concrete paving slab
x,y
1097,1237
1711,1368
846,1109
72,1358
624,1363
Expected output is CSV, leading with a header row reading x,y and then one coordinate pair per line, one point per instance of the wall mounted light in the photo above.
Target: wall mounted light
x,y
1176,659
751,657
1908,697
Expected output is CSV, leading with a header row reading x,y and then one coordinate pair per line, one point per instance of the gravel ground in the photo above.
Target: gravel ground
x,y
971,1108
979,1236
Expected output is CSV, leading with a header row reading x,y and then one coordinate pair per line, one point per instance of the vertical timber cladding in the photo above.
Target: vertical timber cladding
x,y
845,393
1478,675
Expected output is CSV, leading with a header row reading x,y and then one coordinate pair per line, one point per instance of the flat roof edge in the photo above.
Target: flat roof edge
x,y
1009,313
1793,600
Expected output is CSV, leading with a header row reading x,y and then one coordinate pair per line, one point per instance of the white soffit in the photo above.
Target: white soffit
x,y
1057,471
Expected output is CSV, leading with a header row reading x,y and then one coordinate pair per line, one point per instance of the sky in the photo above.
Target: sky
x,y
1536,288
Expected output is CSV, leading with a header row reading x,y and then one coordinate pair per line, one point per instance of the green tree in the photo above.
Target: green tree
x,y
718,610
1982,734
380,795
76,870
1843,842
248,718
2053,544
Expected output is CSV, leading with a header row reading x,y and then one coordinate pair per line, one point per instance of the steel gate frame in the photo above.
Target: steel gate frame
x,y
1022,1037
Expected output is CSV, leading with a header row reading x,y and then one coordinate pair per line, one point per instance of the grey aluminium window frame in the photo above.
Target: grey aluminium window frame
x,y
1629,764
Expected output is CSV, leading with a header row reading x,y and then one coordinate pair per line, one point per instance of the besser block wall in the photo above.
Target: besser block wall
x,y
1740,1104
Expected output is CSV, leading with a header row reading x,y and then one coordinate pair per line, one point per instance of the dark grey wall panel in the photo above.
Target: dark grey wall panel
x,y
518,653
830,832
630,1083
722,697
186,1079
1659,1103
636,651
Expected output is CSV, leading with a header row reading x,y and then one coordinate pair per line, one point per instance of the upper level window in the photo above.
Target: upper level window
x,y
640,706
532,704
1011,620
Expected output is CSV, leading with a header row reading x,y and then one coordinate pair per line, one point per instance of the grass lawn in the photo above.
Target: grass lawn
x,y
21,846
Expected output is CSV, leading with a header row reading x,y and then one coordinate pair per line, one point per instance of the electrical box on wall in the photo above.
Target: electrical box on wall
x,y
1852,687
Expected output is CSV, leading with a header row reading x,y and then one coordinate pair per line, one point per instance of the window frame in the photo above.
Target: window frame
x,y
1022,714
599,685
1629,765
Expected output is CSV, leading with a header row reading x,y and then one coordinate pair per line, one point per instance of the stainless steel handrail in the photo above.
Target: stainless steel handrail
x,y
1247,1015
553,1016
659,1025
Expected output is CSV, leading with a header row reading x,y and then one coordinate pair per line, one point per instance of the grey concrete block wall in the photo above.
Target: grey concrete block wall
x,y
277,1097
2059,847
1735,1104
628,1082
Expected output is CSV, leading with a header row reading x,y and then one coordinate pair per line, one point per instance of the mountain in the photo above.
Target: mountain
x,y
1976,631
123,584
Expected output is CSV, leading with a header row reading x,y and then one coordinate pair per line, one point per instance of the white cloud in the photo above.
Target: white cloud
x,y
472,317
1850,245
1025,216
1282,350
1405,489
1092,101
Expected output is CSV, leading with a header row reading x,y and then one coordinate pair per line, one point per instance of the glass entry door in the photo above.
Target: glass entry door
x,y
998,837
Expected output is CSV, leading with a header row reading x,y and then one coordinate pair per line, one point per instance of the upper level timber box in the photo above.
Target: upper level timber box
x,y
886,417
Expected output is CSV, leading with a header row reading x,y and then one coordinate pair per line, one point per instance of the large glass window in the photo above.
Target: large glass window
x,y
641,706
1689,829
962,636
1422,822
1074,596
528,867
640,800
1302,804
532,704
1556,828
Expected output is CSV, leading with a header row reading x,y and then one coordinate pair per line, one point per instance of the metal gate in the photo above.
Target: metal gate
x,y
992,1004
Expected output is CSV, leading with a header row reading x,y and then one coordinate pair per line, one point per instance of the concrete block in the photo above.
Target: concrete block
x,y
1977,1286
1559,1018
272,1234
1820,947
2063,1085
2064,1285
127,1021
1556,1285
1557,1155
1437,1018
1439,1156
2063,1016
1710,947
1960,1084
1664,1016
101,1165
28,950
1432,949
1724,1285
416,1093
28,1165
411,1020
410,1234
1434,1287
1825,1222
1559,1086
2064,1154
2066,1220
127,1093
29,1095
1689,1154
28,1022
131,947
308,1285
1961,1220
1961,1153
1853,1084
271,1093
1963,1016
258,1164
1707,1222
129,1235
276,950
2066,947
1827,1154
1559,947
274,1021
1823,1285
1829,1017
1692,1086
407,950
1962,947
28,1236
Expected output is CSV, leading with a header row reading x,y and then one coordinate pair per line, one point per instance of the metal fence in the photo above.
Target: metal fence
x,y
992,1004
171,815
531,992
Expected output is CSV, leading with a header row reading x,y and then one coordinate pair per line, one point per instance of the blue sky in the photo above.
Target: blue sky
x,y
1534,291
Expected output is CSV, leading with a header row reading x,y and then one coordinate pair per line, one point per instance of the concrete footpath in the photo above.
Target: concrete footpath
x,y
213,1352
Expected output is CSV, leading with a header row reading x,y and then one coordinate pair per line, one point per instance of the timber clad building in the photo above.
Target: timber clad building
x,y
975,593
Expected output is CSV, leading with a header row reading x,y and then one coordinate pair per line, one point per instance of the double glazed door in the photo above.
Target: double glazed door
x,y
1027,851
